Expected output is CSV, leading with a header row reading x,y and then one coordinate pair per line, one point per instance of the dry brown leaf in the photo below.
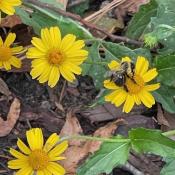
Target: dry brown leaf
x,y
132,5
4,88
10,21
71,127
77,150
108,112
12,117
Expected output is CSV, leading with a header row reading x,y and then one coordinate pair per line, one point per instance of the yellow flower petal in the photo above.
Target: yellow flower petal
x,y
35,138
110,85
10,39
73,68
55,36
54,76
38,44
76,46
56,169
23,147
15,62
67,42
141,66
44,77
6,8
137,99
6,65
120,98
113,65
17,154
46,38
129,103
1,41
147,99
35,53
25,171
152,87
112,95
59,149
69,76
17,164
16,50
127,59
150,75
51,142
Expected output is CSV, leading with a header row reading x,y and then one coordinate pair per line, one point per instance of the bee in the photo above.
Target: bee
x,y
125,70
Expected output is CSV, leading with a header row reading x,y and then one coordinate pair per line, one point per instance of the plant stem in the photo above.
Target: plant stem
x,y
169,133
103,63
102,139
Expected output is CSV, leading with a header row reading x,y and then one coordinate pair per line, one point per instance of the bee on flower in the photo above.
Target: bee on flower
x,y
7,6
7,53
38,158
129,85
53,56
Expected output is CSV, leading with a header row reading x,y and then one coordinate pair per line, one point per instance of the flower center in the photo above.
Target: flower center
x,y
5,53
55,57
136,85
38,159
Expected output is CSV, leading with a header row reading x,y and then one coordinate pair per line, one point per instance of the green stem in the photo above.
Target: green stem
x,y
102,139
169,133
103,63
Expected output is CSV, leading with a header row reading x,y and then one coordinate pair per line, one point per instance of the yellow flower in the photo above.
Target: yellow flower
x,y
7,6
136,90
53,56
38,158
7,53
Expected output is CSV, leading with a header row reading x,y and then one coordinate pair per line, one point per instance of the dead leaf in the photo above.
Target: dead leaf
x,y
48,120
10,21
78,150
108,112
161,118
12,117
170,118
4,88
71,127
132,5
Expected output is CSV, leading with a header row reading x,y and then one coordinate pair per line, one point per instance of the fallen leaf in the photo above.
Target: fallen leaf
x,y
10,21
12,117
108,112
48,120
161,118
4,88
132,5
78,150
71,127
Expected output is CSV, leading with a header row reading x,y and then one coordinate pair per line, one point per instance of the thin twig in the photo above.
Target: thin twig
x,y
85,23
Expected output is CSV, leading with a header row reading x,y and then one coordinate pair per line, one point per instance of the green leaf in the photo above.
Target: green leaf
x,y
141,20
151,141
165,17
55,3
165,96
166,68
169,168
80,8
104,160
92,66
47,18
